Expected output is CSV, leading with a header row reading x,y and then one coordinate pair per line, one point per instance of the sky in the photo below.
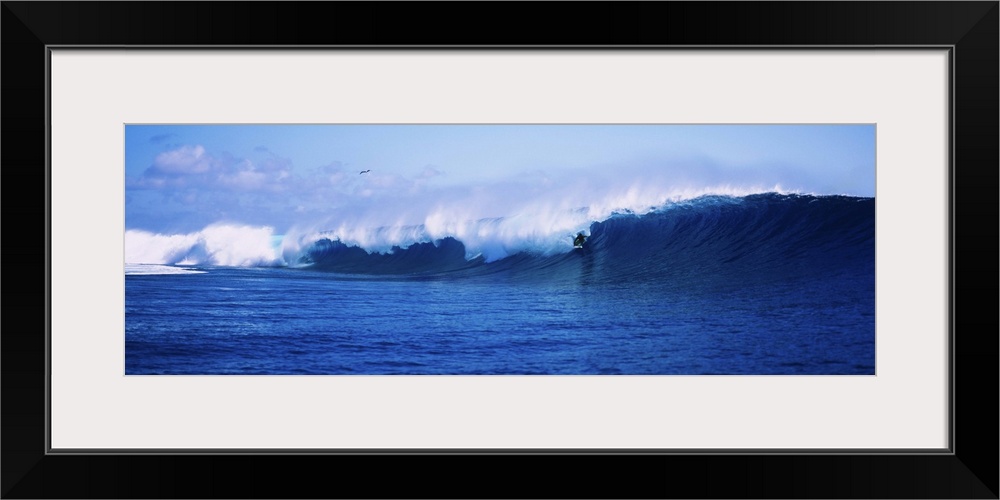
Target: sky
x,y
183,178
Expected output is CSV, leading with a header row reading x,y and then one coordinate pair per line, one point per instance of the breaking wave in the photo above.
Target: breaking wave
x,y
759,236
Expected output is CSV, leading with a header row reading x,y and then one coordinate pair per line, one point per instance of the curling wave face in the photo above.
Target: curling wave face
x,y
760,236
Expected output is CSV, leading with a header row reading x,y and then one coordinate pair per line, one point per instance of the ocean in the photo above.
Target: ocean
x,y
763,284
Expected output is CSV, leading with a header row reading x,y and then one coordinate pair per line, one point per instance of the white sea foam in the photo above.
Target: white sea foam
x,y
218,244
148,269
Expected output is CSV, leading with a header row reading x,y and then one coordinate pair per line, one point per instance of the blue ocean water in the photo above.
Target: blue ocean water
x,y
759,284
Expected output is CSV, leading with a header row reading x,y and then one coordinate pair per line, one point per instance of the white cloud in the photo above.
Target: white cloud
x,y
184,160
429,171
192,167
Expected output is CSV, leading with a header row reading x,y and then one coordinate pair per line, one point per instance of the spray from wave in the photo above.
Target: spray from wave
x,y
538,225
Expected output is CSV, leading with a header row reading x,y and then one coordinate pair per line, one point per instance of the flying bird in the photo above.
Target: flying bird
x,y
365,171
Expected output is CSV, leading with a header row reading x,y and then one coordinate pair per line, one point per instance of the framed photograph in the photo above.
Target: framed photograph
x,y
723,253
500,249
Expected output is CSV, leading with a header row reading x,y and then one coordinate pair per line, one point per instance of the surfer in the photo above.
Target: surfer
x,y
578,241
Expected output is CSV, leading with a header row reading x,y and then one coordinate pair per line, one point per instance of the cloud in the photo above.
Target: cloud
x,y
192,167
429,171
184,160
244,180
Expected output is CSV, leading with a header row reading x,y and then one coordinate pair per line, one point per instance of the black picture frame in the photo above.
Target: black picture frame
x,y
969,471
